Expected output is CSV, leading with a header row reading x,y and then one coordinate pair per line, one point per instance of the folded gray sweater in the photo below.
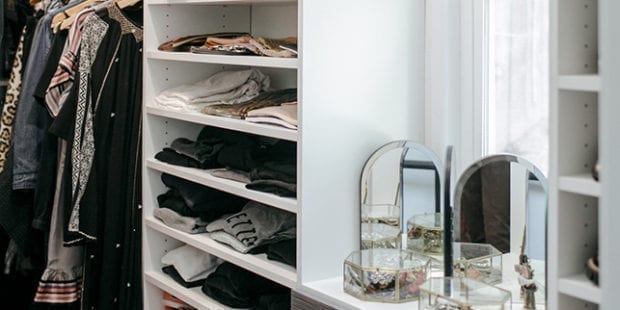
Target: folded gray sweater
x,y
256,225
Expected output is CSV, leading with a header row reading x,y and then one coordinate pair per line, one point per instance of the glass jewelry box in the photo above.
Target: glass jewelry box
x,y
379,235
385,275
479,261
462,294
425,233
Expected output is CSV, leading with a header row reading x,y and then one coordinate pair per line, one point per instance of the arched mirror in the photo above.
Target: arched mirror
x,y
400,183
499,227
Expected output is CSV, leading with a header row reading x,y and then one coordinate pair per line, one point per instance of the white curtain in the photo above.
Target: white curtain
x,y
519,79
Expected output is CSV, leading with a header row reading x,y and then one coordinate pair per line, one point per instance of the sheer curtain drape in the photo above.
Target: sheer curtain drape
x,y
518,79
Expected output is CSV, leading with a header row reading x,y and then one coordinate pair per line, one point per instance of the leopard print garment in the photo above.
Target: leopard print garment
x,y
10,103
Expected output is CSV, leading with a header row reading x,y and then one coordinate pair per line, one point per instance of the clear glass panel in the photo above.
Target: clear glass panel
x,y
518,83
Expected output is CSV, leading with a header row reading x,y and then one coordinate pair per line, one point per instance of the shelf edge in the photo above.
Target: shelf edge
x,y
259,264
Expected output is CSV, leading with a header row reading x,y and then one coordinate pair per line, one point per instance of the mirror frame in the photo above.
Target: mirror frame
x,y
456,207
456,229
425,150
447,214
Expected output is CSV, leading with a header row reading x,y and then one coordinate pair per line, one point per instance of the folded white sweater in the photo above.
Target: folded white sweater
x,y
223,87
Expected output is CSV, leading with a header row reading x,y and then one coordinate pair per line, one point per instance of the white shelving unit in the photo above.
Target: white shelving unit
x,y
583,212
194,296
228,123
205,178
581,287
259,264
349,105
330,291
609,151
582,82
254,61
582,184
166,20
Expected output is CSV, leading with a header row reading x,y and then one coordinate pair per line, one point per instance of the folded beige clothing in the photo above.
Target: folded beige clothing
x,y
270,121
224,86
213,41
272,47
175,104
283,48
283,115
266,99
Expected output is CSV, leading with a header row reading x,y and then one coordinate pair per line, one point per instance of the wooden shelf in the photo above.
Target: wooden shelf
x,y
584,82
582,184
252,61
237,188
278,272
221,2
227,123
580,287
193,296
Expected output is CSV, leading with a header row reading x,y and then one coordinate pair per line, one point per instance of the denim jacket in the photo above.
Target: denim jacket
x,y
32,119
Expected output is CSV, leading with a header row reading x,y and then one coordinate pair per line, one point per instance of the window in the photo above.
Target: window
x,y
517,80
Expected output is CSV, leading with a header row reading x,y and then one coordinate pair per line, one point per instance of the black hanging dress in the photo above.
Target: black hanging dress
x,y
108,150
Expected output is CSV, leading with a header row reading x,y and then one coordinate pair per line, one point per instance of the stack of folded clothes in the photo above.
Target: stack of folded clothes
x,y
284,115
248,45
263,164
201,153
225,87
189,207
238,288
276,177
184,44
253,228
270,165
233,43
241,110
189,266
283,251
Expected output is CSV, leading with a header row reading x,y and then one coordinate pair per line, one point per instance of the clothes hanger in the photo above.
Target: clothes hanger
x,y
70,13
126,3
96,5
66,22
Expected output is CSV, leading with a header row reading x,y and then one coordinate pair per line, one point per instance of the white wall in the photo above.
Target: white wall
x,y
362,81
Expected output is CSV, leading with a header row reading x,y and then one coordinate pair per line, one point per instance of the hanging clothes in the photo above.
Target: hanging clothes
x,y
14,220
118,284
105,135
32,118
23,258
62,279
92,89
